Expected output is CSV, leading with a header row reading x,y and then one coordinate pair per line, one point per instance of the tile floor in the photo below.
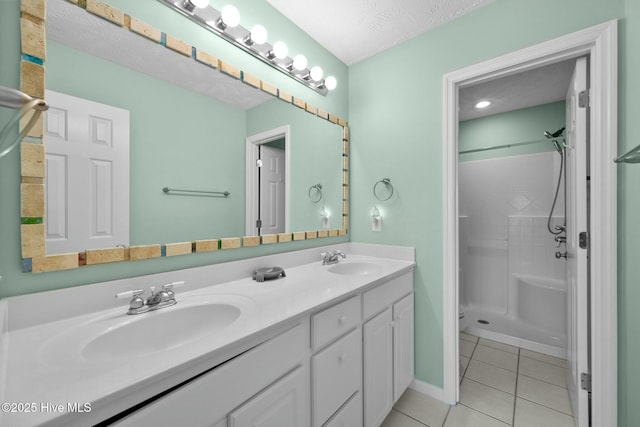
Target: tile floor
x,y
500,386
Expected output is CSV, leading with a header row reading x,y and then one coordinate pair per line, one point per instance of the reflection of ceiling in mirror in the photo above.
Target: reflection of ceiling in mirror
x,y
72,26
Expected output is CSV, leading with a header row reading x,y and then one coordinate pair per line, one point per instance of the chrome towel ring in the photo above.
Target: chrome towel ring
x,y
315,193
377,189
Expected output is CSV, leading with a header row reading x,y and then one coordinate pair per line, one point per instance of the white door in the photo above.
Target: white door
x,y
577,222
272,190
87,174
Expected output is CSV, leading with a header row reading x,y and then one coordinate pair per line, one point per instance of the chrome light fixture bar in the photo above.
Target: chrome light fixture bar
x,y
225,24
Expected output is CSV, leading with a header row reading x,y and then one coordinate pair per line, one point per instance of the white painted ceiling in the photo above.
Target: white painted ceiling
x,y
66,21
526,89
353,30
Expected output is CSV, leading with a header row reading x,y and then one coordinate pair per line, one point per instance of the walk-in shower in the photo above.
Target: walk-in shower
x,y
512,285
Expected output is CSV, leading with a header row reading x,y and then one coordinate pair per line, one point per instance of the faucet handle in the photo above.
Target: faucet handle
x,y
130,294
170,286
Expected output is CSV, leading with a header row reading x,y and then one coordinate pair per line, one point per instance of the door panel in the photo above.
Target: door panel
x,y
87,176
577,268
272,185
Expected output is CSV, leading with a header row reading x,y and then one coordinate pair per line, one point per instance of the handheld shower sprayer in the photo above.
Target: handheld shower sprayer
x,y
557,145
13,98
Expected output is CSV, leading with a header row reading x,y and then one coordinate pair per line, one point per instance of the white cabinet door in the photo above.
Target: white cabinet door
x,y
336,375
402,345
378,369
283,404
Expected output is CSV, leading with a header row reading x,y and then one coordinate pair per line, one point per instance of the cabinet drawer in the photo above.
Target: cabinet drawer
x,y
375,300
350,415
334,322
336,375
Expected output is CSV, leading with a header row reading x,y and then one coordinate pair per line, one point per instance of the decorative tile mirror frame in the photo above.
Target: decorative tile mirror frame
x,y
32,210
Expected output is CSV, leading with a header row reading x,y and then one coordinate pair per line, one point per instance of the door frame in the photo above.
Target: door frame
x,y
251,174
600,43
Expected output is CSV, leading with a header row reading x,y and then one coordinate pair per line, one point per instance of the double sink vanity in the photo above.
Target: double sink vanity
x,y
326,345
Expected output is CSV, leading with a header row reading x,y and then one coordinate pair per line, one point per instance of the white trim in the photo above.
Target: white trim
x,y
600,42
427,389
251,181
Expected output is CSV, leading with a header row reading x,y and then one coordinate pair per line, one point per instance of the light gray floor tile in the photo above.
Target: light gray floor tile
x,y
423,408
495,357
467,337
487,400
543,358
544,393
398,419
498,345
466,348
463,416
543,371
529,414
492,376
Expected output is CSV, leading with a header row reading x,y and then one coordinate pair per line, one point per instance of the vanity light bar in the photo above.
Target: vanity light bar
x,y
213,20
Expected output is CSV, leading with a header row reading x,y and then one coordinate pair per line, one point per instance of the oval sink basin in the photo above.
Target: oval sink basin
x,y
160,330
113,335
356,268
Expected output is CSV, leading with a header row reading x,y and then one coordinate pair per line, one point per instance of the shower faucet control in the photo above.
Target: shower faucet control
x,y
560,240
561,255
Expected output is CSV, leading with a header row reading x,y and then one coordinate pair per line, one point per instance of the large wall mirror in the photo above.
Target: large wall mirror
x,y
153,148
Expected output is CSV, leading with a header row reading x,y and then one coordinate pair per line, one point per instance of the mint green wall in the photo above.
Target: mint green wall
x,y
316,157
396,113
192,142
14,281
628,214
525,125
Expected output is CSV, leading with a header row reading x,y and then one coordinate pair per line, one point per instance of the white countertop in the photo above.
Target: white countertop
x,y
47,376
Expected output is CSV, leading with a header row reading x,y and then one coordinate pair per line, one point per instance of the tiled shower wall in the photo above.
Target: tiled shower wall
x,y
504,204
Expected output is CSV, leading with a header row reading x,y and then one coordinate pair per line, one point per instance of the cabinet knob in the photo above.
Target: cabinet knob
x,y
392,324
341,320
342,358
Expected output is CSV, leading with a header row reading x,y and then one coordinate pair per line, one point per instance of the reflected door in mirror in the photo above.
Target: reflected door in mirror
x,y
87,174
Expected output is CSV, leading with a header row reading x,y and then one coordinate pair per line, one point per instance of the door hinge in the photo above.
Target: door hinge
x,y
583,99
585,381
259,223
583,240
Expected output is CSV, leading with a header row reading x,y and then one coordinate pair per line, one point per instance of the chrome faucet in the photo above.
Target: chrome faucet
x,y
332,257
165,297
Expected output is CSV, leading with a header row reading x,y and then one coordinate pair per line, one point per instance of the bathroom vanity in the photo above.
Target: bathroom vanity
x,y
327,345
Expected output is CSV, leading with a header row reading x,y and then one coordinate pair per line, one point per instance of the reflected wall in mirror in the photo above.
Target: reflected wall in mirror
x,y
190,118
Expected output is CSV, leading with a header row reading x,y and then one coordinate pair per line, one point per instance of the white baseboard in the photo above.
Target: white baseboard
x,y
429,390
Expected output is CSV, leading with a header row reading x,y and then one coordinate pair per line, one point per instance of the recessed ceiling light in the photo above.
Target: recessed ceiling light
x,y
483,104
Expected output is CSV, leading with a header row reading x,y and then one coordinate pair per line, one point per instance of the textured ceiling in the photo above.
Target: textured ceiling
x,y
355,29
527,89
112,43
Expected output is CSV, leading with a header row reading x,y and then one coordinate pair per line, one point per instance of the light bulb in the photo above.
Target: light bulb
x,y
483,104
331,82
280,50
316,73
230,16
259,34
300,62
200,4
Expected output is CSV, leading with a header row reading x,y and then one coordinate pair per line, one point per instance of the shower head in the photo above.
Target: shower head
x,y
555,134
